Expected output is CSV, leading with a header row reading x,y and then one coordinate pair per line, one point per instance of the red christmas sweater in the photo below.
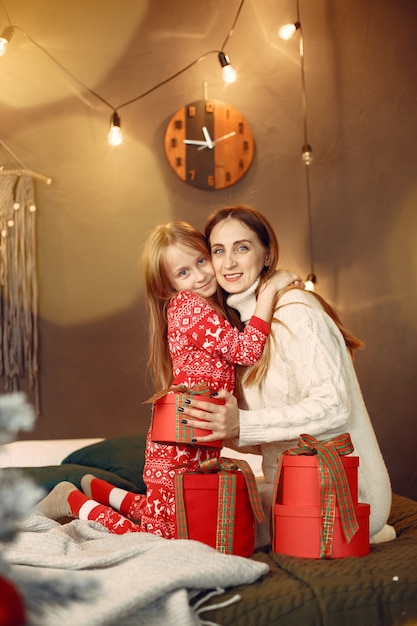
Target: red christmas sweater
x,y
204,348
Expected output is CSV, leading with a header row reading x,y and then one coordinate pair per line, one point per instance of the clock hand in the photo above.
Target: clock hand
x,y
207,137
232,134
222,138
194,142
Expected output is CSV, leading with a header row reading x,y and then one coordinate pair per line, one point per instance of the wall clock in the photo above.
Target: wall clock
x,y
209,144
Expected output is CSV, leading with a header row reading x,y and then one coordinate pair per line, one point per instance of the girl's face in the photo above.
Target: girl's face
x,y
237,254
188,270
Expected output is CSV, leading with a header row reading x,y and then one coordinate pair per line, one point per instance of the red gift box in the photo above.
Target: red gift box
x,y
297,532
316,512
219,509
301,480
166,419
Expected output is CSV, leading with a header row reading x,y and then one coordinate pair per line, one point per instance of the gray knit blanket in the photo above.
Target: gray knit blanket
x,y
140,579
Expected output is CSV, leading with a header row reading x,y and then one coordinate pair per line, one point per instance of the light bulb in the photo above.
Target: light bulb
x,y
115,137
287,31
307,154
310,282
5,37
228,72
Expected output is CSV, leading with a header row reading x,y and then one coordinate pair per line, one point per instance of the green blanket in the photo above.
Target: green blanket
x,y
379,589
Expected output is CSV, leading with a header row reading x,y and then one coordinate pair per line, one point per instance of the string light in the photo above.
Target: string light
x,y
228,71
115,137
310,282
5,37
307,154
288,30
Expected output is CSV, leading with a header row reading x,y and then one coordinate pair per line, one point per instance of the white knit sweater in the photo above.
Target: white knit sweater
x,y
310,387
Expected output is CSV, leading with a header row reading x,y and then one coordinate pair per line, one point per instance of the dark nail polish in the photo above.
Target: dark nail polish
x,y
193,439
214,395
184,422
180,409
187,401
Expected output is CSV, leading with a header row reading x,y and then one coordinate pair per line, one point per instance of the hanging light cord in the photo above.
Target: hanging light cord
x,y
145,93
307,167
187,67
230,33
167,80
62,67
310,228
303,80
6,13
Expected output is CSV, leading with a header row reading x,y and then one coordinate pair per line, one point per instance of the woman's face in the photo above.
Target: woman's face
x,y
237,254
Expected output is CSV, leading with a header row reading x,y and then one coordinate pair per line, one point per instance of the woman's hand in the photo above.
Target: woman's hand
x,y
221,419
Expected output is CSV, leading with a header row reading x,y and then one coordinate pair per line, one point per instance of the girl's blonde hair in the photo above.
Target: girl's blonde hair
x,y
159,292
258,224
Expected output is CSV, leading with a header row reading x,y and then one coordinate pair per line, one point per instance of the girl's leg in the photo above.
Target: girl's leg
x,y
65,500
162,462
126,502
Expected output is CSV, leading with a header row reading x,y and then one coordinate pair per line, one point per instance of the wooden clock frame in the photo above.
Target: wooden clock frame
x,y
209,144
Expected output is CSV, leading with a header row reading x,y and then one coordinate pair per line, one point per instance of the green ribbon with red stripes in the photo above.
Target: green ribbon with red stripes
x,y
226,501
334,486
184,432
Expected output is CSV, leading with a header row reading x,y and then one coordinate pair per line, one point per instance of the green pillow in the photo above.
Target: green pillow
x,y
121,456
50,475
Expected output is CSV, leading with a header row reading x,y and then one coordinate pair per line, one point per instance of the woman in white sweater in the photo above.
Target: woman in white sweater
x,y
305,383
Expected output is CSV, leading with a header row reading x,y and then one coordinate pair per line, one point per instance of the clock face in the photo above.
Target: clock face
x,y
209,144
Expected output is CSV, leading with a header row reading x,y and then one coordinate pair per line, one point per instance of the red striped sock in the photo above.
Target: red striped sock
x,y
87,509
106,493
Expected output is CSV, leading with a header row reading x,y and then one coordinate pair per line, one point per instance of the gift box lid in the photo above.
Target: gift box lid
x,y
170,398
200,481
310,460
288,510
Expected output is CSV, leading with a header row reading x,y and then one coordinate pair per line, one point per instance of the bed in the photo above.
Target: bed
x,y
379,588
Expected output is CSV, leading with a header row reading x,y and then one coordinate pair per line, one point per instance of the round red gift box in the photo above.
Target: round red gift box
x,y
297,532
166,422
300,479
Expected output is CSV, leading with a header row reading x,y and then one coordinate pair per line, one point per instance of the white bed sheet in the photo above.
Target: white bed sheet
x,y
39,453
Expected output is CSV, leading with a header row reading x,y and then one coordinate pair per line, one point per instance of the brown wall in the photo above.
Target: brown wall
x,y
361,68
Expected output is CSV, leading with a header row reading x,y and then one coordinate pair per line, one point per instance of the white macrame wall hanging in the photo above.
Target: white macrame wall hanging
x,y
18,283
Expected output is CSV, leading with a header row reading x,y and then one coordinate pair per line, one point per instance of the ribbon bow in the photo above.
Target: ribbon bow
x,y
202,389
183,432
226,468
334,485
